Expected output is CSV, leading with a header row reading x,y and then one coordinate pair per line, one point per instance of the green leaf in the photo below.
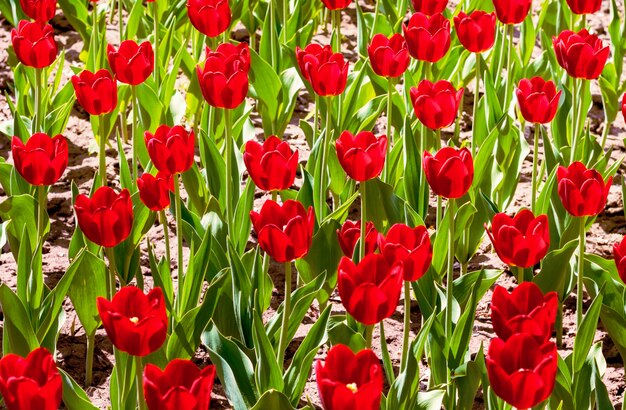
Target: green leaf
x,y
74,397
267,372
273,399
586,333
18,336
88,283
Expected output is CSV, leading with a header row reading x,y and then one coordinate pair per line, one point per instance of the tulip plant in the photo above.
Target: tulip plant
x,y
318,186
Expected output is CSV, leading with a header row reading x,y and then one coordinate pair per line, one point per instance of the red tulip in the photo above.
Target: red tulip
x,y
30,383
336,4
154,191
181,386
429,7
522,240
350,233
327,72
624,106
171,149
476,31
581,54
521,370
436,104
271,165
34,43
284,232
524,310
132,63
348,381
411,246
427,38
40,10
210,17
389,57
42,160
135,322
362,156
96,92
619,253
224,78
584,6
583,192
449,172
538,100
106,218
512,11
369,290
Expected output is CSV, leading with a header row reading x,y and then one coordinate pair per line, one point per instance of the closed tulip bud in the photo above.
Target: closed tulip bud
x,y
34,43
362,156
538,100
350,233
581,54
132,63
40,10
411,246
429,7
476,31
348,381
449,172
32,382
96,92
171,149
436,104
583,191
271,165
522,240
389,57
284,231
135,322
106,218
154,191
369,290
224,77
521,370
42,160
619,253
181,386
210,17
336,4
512,11
584,6
427,38
326,71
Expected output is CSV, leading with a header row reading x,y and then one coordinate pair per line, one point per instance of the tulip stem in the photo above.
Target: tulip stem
x,y
155,18
141,401
179,239
38,113
133,128
376,13
228,148
336,15
581,265
43,205
533,200
363,221
508,80
282,343
111,282
120,8
317,110
457,125
390,139
324,148
575,117
439,211
476,95
519,273
407,324
166,236
102,151
558,325
369,331
91,342
450,277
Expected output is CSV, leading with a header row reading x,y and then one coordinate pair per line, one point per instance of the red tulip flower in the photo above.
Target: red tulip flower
x,y
34,43
429,7
271,165
427,38
476,31
210,17
389,57
581,54
132,63
362,156
181,386
436,104
224,78
521,370
584,6
522,240
619,253
411,246
327,72
96,92
154,191
348,381
369,290
583,191
449,172
135,322
350,233
538,100
40,10
624,106
336,4
512,11
32,382
42,160
284,231
171,149
525,310
106,218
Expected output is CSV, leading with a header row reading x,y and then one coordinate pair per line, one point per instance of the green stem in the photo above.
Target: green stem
x,y
112,269
580,275
390,139
519,274
575,117
324,148
120,18
282,344
337,29
91,342
509,74
43,210
133,128
457,124
558,325
476,95
155,18
316,114
450,271
363,221
102,152
285,10
533,199
369,331
407,324
95,32
605,134
141,401
36,127
179,239
439,211
228,149
166,236
376,14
